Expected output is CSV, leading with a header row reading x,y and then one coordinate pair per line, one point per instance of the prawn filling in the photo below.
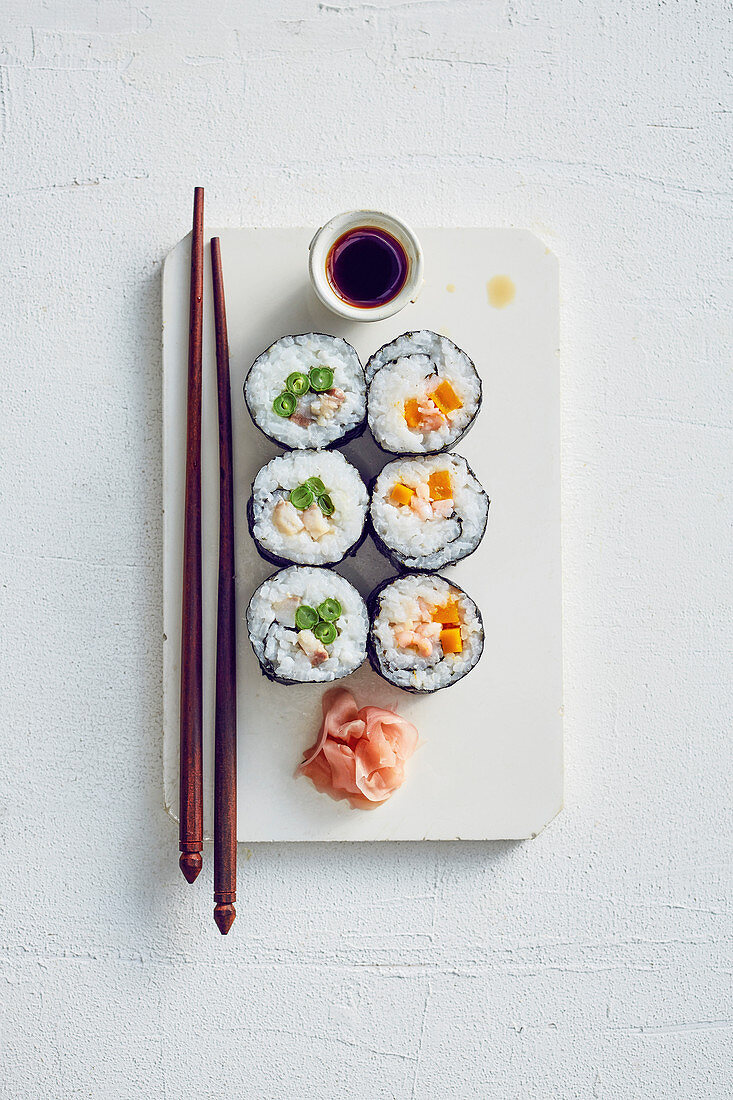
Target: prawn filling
x,y
426,633
427,512
307,625
307,391
423,394
307,507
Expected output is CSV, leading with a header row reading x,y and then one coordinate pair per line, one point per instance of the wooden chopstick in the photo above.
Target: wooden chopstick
x,y
225,729
191,826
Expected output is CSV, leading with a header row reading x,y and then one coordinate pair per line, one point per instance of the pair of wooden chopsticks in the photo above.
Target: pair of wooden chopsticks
x,y
191,718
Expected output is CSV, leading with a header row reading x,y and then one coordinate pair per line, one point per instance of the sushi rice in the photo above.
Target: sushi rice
x,y
428,512
319,419
319,533
279,644
415,370
399,650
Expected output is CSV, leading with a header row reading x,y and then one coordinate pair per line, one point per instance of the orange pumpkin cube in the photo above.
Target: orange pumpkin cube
x,y
447,615
450,639
412,412
401,494
440,485
446,398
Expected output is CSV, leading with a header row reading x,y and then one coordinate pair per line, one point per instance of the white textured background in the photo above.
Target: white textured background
x,y
593,962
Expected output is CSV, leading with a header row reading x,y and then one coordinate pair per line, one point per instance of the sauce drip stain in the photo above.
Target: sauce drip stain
x,y
451,288
367,267
501,291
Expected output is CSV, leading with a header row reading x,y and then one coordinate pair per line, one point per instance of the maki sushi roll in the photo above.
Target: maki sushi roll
x,y
423,394
307,626
428,512
425,632
307,392
308,508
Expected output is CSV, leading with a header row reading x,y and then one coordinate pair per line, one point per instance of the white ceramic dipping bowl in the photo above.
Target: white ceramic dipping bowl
x,y
327,236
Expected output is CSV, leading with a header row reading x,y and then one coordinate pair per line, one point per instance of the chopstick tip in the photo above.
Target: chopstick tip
x,y
224,914
190,864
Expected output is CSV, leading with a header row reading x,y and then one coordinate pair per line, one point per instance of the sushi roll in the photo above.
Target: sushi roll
x,y
425,632
428,512
423,394
307,626
307,508
307,392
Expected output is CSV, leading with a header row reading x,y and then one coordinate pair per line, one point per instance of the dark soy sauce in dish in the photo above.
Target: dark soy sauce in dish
x,y
367,267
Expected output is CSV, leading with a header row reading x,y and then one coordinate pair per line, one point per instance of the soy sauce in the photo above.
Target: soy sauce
x,y
367,267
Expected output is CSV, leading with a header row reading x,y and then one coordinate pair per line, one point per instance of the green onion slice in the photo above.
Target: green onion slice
x,y
321,379
297,383
325,632
302,497
326,504
306,618
329,610
284,404
316,485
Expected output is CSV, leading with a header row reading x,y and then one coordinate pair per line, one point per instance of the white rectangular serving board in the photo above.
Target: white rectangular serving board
x,y
489,765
